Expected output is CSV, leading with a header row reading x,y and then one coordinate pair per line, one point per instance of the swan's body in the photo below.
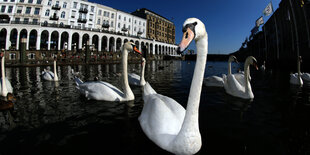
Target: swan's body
x,y
5,84
49,75
165,121
135,79
305,77
296,79
243,88
99,90
216,81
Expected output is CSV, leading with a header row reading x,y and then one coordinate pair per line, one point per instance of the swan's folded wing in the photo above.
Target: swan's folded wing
x,y
134,79
148,90
232,86
8,85
213,81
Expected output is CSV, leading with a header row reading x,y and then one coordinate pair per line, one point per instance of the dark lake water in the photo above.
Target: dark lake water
x,y
52,118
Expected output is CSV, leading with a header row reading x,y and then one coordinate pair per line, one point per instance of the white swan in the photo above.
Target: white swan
x,y
295,79
49,75
165,121
305,77
216,81
240,89
135,79
99,90
5,84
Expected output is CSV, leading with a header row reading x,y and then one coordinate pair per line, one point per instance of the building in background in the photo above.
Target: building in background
x,y
158,27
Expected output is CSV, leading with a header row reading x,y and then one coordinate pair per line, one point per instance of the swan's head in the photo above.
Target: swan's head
x,y
252,61
143,61
232,58
193,29
130,46
2,54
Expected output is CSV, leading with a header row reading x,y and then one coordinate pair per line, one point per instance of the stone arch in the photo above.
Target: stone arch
x,y
13,38
3,34
75,41
85,41
33,39
125,41
54,40
111,44
64,40
23,34
104,44
151,48
156,49
95,42
118,44
137,44
44,40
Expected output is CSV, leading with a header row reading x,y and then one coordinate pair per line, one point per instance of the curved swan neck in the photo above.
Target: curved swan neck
x,y
298,67
3,86
229,67
127,91
55,71
191,117
246,76
142,80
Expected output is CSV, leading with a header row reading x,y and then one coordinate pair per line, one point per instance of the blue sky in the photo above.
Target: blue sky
x,y
228,22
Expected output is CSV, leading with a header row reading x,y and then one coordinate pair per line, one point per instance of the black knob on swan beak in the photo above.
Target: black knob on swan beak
x,y
179,50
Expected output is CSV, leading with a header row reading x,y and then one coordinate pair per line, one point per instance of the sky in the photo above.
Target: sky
x,y
227,22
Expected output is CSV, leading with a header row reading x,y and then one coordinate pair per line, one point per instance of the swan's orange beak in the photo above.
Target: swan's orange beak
x,y
1,54
255,65
136,50
188,37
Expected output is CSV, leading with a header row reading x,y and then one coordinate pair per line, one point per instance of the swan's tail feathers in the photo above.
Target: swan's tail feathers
x,y
78,81
148,90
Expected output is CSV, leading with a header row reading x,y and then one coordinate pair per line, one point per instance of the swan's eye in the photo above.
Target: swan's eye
x,y
186,35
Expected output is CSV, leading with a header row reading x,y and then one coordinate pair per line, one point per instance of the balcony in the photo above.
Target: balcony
x,y
56,7
124,29
139,33
82,20
83,10
105,26
54,17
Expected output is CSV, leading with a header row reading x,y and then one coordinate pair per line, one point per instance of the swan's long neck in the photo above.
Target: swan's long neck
x,y
142,80
229,67
190,122
4,91
246,77
298,67
128,94
55,71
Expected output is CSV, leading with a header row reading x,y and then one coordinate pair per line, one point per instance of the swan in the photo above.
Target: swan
x,y
296,79
5,84
216,81
99,90
263,66
240,89
166,122
305,77
135,79
49,75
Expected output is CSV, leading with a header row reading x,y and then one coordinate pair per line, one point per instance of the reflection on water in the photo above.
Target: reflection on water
x,y
52,118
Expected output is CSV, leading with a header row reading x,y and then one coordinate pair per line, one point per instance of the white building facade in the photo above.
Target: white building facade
x,y
70,25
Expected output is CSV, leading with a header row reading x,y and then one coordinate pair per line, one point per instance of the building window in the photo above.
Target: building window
x,y
37,11
129,19
21,1
134,29
49,3
143,24
91,17
64,5
12,56
124,18
35,20
63,14
104,13
26,20
119,17
30,1
5,0
17,19
124,26
119,25
92,9
139,22
12,0
31,56
98,21
10,9
47,12
73,14
112,15
112,24
3,8
74,5
39,1
129,27
135,21
57,3
28,10
72,23
99,12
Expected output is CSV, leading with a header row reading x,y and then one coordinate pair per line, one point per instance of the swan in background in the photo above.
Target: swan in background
x,y
99,90
135,79
49,75
305,77
216,81
165,121
295,79
263,67
240,89
5,84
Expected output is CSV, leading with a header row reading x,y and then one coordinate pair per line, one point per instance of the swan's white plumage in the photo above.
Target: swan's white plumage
x,y
5,84
135,79
305,77
164,120
213,81
49,75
